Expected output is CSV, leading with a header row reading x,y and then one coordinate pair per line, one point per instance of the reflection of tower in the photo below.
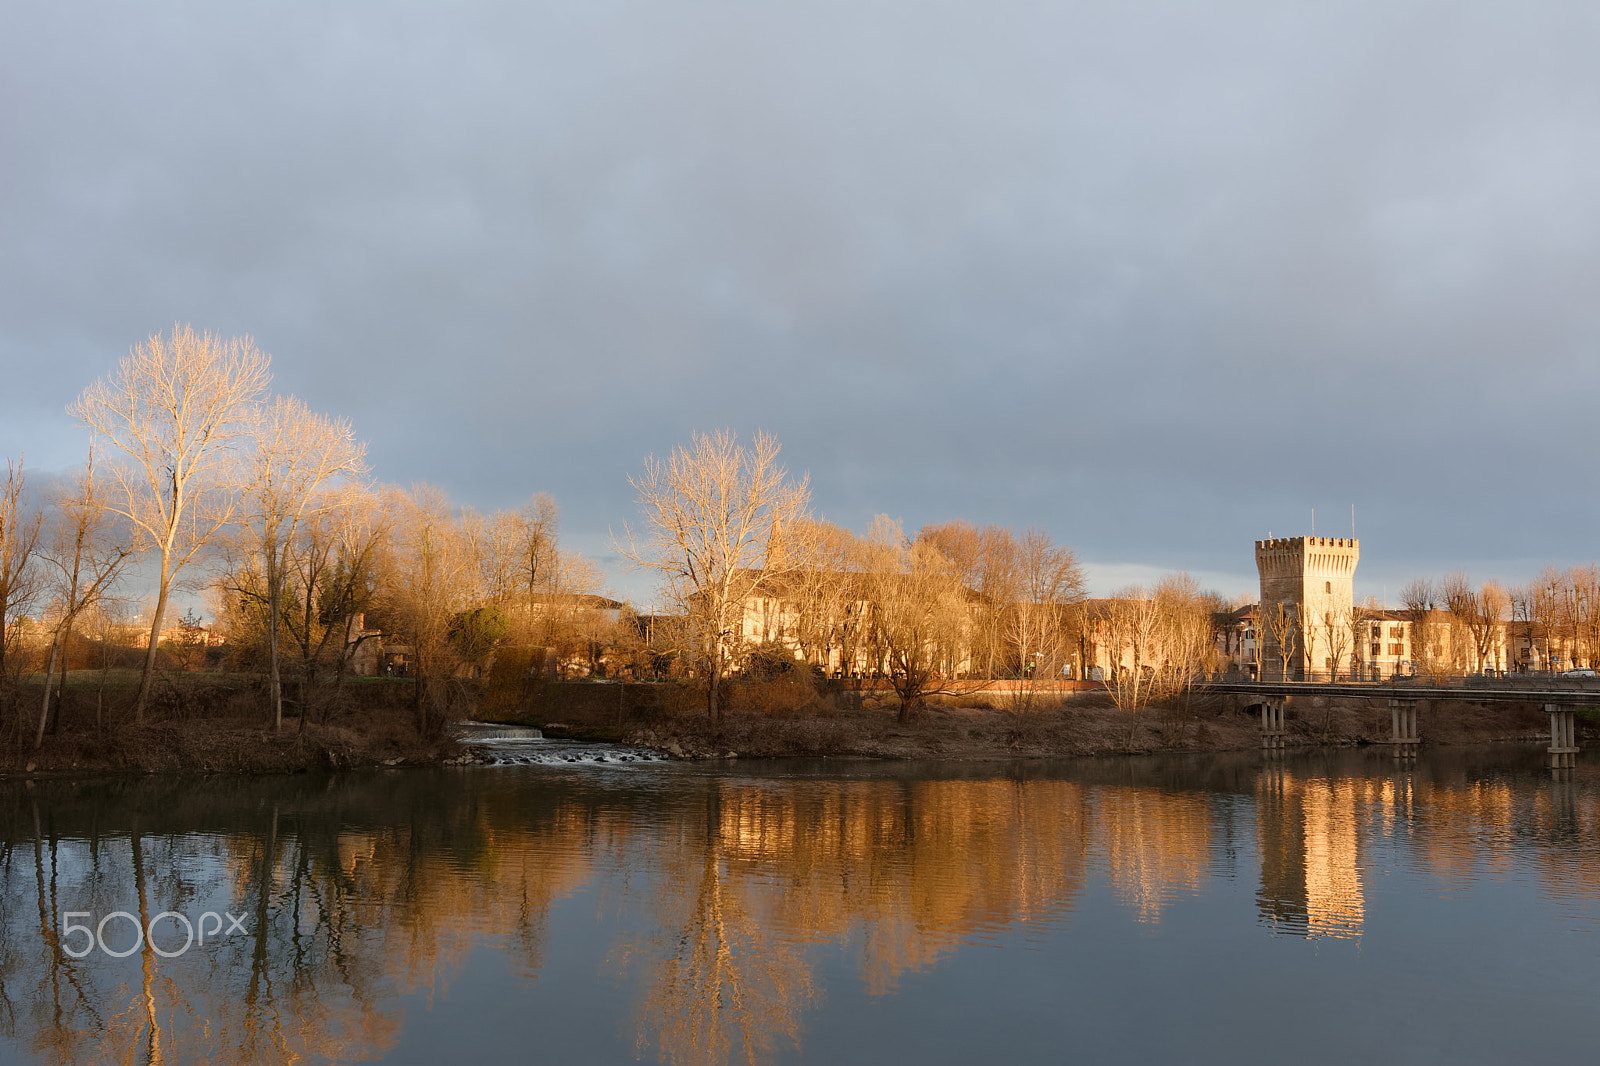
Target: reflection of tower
x,y
1310,862
1335,904
1312,581
1280,836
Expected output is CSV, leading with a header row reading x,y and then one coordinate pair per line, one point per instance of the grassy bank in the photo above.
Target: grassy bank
x,y
208,723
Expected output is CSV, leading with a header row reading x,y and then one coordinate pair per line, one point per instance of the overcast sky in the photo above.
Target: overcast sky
x,y
1157,278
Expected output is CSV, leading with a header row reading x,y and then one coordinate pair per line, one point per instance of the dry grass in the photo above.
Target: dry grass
x,y
208,723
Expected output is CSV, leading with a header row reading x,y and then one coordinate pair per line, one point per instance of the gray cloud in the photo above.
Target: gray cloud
x,y
1158,278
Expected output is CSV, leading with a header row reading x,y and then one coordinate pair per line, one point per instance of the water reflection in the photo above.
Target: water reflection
x,y
1308,837
714,901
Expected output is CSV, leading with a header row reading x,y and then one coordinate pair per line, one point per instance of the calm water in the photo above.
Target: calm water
x,y
1326,909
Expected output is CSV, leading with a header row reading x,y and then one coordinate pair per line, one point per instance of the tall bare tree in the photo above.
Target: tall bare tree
x,y
1047,583
1133,629
177,410
824,587
19,576
1480,612
87,553
298,456
1187,635
428,579
714,513
987,561
1418,601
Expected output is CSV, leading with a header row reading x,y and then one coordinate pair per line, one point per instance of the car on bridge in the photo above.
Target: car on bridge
x,y
1582,671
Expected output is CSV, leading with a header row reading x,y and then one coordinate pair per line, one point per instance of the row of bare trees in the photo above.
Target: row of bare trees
x,y
1161,641
442,586
203,480
725,527
1549,623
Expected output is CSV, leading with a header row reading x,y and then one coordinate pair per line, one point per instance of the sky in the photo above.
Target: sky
x,y
1160,279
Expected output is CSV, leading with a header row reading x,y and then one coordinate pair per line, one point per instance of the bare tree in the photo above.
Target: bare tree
x,y
1361,619
1133,624
918,610
536,530
1282,627
19,577
1584,582
428,580
298,455
1418,601
1187,635
989,562
87,555
820,590
176,411
1338,636
1048,582
713,516
1307,627
1480,612
327,576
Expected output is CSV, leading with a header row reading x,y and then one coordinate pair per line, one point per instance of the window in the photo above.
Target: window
x,y
1327,586
1396,649
1377,649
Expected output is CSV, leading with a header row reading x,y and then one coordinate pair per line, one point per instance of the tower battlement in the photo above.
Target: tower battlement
x,y
1285,543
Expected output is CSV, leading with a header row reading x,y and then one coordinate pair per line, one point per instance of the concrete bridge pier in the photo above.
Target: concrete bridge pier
x,y
1403,733
1274,735
1563,737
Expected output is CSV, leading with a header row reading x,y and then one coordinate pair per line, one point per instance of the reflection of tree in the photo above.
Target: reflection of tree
x,y
1157,844
905,871
721,972
361,891
316,979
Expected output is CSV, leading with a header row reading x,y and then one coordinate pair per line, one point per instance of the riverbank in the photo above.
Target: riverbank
x,y
233,747
379,731
1079,727
216,724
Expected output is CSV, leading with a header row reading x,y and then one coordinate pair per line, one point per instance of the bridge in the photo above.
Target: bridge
x,y
1561,699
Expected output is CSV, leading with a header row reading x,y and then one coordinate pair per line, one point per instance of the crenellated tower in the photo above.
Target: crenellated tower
x,y
1313,580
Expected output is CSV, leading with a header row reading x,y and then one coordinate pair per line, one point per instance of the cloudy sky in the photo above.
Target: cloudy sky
x,y
1160,278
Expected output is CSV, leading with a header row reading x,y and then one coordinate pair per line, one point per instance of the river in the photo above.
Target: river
x,y
588,905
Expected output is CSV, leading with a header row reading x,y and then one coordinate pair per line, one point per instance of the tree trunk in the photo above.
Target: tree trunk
x,y
274,682
44,704
61,689
143,699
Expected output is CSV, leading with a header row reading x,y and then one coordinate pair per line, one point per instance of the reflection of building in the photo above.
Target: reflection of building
x,y
1308,837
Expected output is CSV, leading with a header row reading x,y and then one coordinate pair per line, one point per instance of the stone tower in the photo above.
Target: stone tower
x,y
1313,580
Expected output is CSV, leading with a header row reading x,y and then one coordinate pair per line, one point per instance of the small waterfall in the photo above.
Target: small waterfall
x,y
477,732
504,745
